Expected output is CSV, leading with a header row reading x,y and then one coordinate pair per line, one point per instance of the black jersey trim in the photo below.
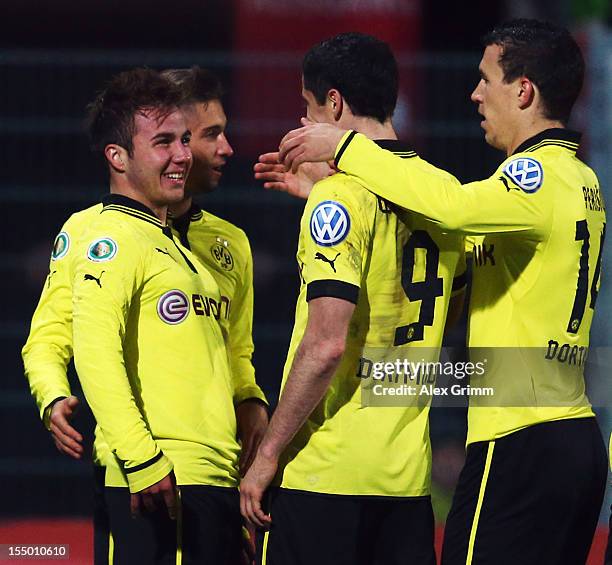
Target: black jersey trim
x,y
550,135
129,204
344,146
459,281
181,223
143,465
565,144
395,146
332,289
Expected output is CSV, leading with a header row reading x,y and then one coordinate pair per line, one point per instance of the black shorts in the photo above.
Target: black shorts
x,y
529,498
325,529
208,528
100,518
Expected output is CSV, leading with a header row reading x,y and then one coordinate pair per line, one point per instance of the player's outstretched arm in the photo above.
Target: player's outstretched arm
x,y
315,363
299,184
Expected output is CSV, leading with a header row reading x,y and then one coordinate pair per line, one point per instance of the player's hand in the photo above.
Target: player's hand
x,y
66,438
253,487
163,491
309,144
276,177
252,421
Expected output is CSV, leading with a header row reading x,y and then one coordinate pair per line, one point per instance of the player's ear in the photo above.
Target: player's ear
x,y
526,92
116,156
336,103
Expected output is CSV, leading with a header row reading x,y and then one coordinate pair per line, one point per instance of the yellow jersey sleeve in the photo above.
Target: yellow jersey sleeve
x,y
335,240
495,205
48,349
110,266
240,335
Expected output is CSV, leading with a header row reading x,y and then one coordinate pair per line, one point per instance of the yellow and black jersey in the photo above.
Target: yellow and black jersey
x,y
48,348
150,353
355,246
224,250
539,223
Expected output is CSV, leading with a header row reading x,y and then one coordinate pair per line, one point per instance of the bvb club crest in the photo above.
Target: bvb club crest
x,y
222,255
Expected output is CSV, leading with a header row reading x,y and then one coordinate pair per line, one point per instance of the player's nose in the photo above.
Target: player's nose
x,y
225,148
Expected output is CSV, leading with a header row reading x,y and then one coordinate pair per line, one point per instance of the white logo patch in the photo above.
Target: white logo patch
x,y
330,223
526,173
173,307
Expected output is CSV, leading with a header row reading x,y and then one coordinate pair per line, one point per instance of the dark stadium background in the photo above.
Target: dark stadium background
x,y
54,57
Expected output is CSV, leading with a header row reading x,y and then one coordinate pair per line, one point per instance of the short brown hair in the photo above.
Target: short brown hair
x,y
196,84
111,115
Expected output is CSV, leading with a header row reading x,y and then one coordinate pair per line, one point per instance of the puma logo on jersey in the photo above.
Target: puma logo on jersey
x,y
49,278
322,257
508,187
89,277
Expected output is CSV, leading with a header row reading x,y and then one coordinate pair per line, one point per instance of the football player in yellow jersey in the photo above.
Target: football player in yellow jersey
x,y
533,483
49,345
351,474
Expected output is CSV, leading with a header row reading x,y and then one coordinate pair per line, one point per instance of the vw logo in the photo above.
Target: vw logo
x,y
330,223
526,173
173,307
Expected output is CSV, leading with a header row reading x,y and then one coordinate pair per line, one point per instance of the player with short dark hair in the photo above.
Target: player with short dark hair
x,y
535,473
533,48
47,351
350,474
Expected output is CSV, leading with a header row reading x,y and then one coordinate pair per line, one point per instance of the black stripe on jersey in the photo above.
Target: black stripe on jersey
x,y
459,282
571,146
133,213
168,233
332,289
551,135
143,465
344,146
125,204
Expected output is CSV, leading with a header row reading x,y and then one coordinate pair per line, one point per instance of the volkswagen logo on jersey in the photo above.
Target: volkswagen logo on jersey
x,y
526,173
173,307
330,223
60,246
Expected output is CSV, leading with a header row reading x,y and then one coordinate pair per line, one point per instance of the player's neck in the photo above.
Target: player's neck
x,y
372,128
180,208
529,130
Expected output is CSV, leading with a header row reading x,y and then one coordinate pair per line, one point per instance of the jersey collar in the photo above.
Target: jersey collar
x,y
560,137
131,207
194,214
399,148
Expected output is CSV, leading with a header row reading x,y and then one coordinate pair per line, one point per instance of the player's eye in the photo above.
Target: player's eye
x,y
186,139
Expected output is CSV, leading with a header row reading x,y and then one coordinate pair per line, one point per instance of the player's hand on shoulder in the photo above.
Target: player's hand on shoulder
x,y
299,184
66,438
315,142
161,492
